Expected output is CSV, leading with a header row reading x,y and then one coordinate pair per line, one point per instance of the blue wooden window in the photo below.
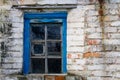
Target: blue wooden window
x,y
48,29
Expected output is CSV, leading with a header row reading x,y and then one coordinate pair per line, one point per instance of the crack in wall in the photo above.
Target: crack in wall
x,y
101,20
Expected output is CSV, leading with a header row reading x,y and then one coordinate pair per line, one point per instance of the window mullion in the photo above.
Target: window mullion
x,y
46,60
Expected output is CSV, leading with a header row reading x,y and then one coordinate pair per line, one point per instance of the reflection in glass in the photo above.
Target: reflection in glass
x,y
38,31
38,48
38,65
53,31
54,48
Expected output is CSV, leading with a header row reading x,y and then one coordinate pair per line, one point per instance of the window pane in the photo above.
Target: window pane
x,y
38,65
54,48
54,31
38,48
54,65
38,31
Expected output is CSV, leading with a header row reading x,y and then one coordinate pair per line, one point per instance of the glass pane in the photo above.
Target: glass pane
x,y
38,48
38,65
54,31
38,31
54,48
54,65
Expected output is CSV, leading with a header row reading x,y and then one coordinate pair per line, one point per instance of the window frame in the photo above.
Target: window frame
x,y
51,15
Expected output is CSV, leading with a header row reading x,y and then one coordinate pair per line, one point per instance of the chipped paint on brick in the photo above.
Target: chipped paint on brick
x,y
92,42
91,55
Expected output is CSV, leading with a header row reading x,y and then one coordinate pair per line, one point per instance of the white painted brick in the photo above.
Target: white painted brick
x,y
107,24
94,78
75,37
15,48
96,67
111,41
90,7
75,55
98,73
111,18
118,28
93,48
86,2
98,29
4,66
109,60
0,58
115,23
41,2
75,31
80,61
83,1
93,24
16,13
17,65
18,25
10,78
76,11
10,71
66,1
15,42
16,35
76,61
74,25
110,6
76,18
90,30
95,35
117,75
93,13
114,11
114,1
116,36
113,67
15,54
5,7
17,19
82,7
29,2
112,54
75,49
110,29
12,66
93,19
95,61
11,59
75,43
17,30
75,67
69,61
117,60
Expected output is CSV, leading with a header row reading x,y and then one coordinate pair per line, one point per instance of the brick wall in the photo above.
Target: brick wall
x,y
95,54
93,39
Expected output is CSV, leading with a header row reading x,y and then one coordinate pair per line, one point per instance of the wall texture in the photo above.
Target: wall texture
x,y
93,38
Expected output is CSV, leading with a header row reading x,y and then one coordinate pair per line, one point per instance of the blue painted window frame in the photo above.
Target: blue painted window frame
x,y
52,15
